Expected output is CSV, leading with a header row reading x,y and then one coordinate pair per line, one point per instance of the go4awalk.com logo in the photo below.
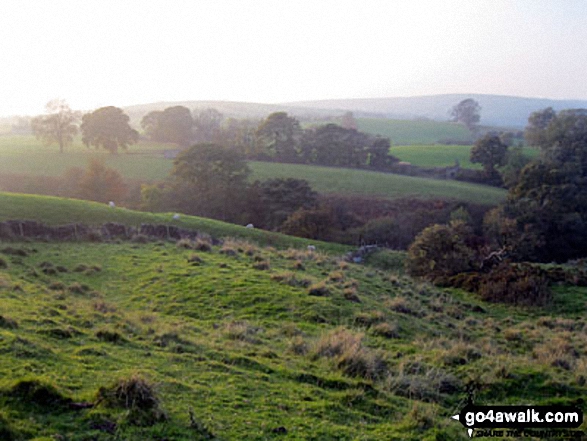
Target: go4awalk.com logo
x,y
521,421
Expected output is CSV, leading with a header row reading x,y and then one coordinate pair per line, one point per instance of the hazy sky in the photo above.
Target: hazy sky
x,y
122,52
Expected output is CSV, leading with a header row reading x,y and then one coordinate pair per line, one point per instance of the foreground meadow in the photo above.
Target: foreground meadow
x,y
185,341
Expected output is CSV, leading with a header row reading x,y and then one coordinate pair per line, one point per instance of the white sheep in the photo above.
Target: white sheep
x,y
250,226
175,216
311,248
111,204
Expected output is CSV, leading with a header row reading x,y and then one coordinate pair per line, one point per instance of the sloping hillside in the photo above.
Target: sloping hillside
x,y
190,341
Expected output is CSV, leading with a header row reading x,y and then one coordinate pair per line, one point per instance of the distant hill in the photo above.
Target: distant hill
x,y
497,110
242,110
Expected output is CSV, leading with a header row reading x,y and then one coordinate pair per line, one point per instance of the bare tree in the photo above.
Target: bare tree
x,y
58,126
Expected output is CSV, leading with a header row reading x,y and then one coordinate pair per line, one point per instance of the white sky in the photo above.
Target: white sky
x,y
123,52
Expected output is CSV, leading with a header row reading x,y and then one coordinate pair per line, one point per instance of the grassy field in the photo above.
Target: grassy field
x,y
25,155
59,211
385,185
246,342
442,155
403,132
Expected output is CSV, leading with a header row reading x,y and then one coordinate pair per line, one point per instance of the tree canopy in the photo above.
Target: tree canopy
x,y
278,136
490,152
210,180
549,201
467,112
174,124
58,126
108,127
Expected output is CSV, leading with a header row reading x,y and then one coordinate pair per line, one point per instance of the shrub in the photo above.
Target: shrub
x,y
518,284
138,396
439,251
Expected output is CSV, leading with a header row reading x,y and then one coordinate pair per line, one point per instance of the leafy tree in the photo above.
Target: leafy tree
x,y
550,199
96,183
210,180
174,124
316,223
279,198
59,126
108,127
278,137
514,163
334,145
440,251
208,125
535,132
379,157
239,135
467,112
490,152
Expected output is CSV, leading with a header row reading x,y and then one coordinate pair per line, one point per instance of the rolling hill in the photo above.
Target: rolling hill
x,y
157,340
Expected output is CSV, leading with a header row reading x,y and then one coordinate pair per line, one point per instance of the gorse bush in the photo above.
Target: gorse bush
x,y
518,284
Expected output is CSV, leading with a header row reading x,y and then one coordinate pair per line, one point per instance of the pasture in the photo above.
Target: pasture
x,y
242,341
24,155
403,132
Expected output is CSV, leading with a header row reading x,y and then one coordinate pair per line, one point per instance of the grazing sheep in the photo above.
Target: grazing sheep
x,y
111,204
311,248
250,226
175,216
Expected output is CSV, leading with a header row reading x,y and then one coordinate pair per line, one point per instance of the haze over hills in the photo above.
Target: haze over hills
x,y
496,110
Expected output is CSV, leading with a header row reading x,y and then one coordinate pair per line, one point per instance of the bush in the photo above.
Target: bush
x,y
439,252
518,284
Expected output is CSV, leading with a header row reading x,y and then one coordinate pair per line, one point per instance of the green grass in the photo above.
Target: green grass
x,y
59,211
219,339
403,132
442,155
385,185
26,156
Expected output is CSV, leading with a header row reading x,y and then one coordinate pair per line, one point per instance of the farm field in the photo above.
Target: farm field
x,y
402,132
386,185
442,155
240,341
25,155
58,211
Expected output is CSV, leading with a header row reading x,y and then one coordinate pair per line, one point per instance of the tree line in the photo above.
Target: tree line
x,y
279,137
544,219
